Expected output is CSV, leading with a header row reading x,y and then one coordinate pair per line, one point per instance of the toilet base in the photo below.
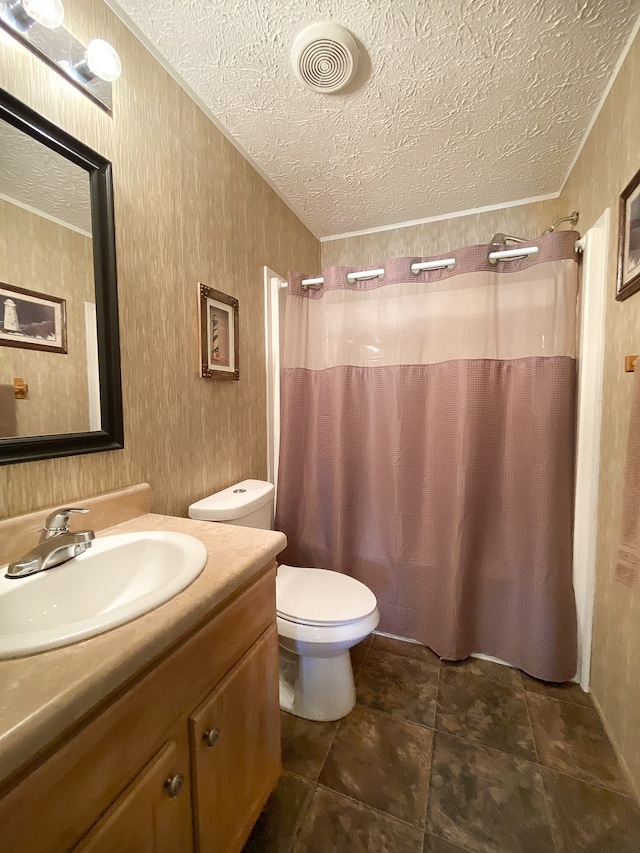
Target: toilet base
x,y
316,688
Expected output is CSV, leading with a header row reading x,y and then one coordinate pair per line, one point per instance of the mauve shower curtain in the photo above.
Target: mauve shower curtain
x,y
427,448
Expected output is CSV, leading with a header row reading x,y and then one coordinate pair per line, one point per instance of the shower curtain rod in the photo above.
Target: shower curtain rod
x,y
501,239
449,263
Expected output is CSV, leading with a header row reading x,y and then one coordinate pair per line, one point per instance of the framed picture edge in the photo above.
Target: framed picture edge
x,y
205,292
43,347
623,291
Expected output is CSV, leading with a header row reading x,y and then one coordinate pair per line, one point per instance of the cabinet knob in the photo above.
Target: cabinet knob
x,y
211,736
173,785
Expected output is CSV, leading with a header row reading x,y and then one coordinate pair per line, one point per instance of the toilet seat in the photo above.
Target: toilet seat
x,y
321,598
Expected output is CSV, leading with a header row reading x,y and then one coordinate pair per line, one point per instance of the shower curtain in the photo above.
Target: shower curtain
x,y
427,448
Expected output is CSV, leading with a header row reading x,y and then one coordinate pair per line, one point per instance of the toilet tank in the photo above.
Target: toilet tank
x,y
247,504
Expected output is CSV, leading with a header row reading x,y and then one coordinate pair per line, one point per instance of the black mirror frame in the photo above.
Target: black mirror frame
x,y
111,436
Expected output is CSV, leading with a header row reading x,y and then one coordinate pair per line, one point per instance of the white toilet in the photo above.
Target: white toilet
x,y
320,613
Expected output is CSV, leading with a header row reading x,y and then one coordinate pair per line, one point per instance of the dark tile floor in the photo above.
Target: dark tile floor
x,y
445,758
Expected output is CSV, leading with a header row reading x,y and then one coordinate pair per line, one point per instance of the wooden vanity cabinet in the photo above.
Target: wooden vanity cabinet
x,y
184,759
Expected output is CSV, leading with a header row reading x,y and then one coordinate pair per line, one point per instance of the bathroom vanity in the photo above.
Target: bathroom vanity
x,y
160,735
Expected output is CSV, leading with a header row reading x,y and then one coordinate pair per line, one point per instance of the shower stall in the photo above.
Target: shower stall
x,y
444,567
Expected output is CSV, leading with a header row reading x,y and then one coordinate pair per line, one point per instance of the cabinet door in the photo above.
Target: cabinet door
x,y
154,813
235,743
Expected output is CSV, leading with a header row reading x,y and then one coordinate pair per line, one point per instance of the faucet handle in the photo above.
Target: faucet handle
x,y
58,521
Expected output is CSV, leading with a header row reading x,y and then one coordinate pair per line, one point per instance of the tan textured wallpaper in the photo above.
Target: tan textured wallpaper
x,y
41,255
434,238
188,208
607,163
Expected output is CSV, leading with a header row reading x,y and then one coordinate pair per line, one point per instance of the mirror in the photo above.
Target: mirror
x,y
58,294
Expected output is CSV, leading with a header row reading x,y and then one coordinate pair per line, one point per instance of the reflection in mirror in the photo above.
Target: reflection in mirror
x,y
47,295
58,299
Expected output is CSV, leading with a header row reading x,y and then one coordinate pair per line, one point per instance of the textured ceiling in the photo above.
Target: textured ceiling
x,y
36,177
458,104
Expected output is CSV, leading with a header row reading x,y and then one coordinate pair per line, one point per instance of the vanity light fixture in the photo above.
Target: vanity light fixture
x,y
26,13
100,60
37,25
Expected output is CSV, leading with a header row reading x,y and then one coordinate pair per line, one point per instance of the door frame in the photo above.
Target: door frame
x,y
592,309
274,294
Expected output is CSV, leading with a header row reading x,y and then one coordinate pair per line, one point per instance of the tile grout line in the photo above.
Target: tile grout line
x,y
335,734
433,745
453,843
372,808
434,728
558,699
562,701
597,783
454,666
314,782
479,745
301,818
475,743
356,675
533,734
547,805
389,716
420,829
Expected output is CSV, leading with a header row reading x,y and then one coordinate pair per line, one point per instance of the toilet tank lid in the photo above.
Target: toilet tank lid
x,y
234,502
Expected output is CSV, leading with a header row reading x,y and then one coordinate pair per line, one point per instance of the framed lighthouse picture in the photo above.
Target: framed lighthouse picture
x,y
219,334
32,320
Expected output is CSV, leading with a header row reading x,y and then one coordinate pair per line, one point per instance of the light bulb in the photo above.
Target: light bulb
x,y
47,13
102,60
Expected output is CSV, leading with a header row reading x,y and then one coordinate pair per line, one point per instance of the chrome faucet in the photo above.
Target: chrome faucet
x,y
57,545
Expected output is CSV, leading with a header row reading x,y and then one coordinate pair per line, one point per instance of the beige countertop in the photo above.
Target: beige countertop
x,y
43,695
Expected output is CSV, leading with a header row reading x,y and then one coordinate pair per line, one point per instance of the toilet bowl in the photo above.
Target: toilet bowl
x,y
320,614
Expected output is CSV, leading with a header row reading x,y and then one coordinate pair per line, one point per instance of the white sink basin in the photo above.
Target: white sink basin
x,y
118,578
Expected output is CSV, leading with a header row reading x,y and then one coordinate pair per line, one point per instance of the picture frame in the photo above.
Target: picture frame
x,y
219,334
32,320
629,240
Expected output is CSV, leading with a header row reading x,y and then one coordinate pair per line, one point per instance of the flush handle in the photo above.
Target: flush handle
x,y
210,737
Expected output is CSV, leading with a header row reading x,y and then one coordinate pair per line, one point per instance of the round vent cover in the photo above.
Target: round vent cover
x,y
325,57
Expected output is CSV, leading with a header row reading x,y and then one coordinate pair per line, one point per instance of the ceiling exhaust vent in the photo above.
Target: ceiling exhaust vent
x,y
325,57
